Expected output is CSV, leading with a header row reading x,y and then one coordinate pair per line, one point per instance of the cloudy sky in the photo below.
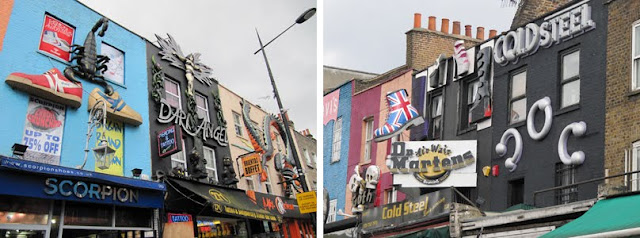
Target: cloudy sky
x,y
224,32
369,35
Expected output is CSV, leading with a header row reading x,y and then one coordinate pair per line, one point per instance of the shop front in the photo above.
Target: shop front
x,y
294,223
42,200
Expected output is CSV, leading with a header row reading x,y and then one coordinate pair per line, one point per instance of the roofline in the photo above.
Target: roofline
x,y
350,70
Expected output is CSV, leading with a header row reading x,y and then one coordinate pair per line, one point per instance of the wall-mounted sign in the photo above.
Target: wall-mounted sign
x,y
175,218
433,163
206,130
168,142
307,202
330,103
114,134
427,206
558,27
178,225
56,38
43,130
90,191
281,206
115,66
251,164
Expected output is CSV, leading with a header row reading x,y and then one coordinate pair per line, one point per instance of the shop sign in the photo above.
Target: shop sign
x,y
283,206
427,206
168,142
206,130
558,27
43,130
307,202
330,103
251,164
174,218
56,38
433,163
114,134
178,225
90,191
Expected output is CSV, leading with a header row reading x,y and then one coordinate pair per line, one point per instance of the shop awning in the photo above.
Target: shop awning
x,y
613,217
225,200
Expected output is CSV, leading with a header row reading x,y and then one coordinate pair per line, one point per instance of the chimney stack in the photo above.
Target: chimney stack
x,y
444,28
432,23
480,33
417,20
492,33
456,28
467,31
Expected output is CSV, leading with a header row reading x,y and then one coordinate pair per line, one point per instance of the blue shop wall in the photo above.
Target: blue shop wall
x,y
335,174
20,54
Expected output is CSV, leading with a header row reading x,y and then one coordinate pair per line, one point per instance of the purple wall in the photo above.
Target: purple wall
x,y
363,105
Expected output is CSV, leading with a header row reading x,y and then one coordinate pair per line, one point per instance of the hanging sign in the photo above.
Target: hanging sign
x,y
114,134
330,103
56,38
251,163
43,130
307,202
168,141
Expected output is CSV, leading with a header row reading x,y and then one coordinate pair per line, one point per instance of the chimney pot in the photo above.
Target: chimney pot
x,y
445,26
456,28
492,33
467,31
417,20
480,33
432,23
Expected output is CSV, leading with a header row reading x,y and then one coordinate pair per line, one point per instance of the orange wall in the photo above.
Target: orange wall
x,y
5,13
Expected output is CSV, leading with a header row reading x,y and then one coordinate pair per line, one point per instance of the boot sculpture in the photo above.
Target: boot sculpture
x,y
401,116
462,61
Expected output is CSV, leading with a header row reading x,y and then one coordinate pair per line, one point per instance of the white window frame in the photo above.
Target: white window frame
x,y
206,104
237,122
174,157
391,195
179,94
211,163
368,139
267,184
513,99
634,87
333,210
337,140
563,80
635,165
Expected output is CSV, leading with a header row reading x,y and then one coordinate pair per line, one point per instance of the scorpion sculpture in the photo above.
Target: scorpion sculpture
x,y
90,65
263,145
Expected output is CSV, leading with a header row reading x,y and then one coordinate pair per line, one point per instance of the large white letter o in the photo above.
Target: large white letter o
x,y
544,103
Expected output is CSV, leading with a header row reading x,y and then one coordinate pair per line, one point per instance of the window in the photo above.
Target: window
x,y
308,158
337,140
313,158
237,123
178,160
172,93
565,175
210,157
570,82
368,138
115,66
267,183
333,205
635,165
436,117
518,98
250,184
635,55
516,192
202,107
468,98
390,195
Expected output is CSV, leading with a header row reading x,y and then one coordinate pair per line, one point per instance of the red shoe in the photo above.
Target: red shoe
x,y
51,85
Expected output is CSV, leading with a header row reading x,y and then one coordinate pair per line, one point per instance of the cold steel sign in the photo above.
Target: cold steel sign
x,y
433,163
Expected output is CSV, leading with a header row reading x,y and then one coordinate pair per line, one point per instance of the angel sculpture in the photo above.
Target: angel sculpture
x,y
190,64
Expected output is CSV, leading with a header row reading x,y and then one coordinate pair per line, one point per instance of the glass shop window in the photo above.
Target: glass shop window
x,y
202,107
172,93
570,81
436,117
23,210
133,217
81,214
518,97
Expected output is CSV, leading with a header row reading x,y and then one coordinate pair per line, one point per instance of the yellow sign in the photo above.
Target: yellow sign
x,y
114,134
218,196
307,202
251,164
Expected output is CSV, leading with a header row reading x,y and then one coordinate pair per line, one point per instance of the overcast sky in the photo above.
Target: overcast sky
x,y
224,33
370,36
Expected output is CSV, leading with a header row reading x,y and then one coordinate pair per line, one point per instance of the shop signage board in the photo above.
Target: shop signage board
x,y
168,142
307,202
114,134
280,206
251,164
178,225
56,38
206,130
433,163
425,207
43,130
330,103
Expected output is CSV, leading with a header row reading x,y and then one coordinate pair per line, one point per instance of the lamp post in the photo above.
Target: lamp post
x,y
102,152
283,113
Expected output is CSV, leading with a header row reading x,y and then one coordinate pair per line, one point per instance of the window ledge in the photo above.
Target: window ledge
x,y
518,124
334,161
567,109
633,93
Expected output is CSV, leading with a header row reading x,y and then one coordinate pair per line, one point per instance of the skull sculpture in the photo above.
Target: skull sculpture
x,y
372,176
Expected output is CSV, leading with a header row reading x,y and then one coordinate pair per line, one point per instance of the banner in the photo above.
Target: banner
x,y
56,38
251,164
114,134
433,163
43,130
427,206
330,102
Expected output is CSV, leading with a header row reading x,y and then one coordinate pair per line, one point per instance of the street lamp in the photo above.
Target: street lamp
x,y
103,152
283,113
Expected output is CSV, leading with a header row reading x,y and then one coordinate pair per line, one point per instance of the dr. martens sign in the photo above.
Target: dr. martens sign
x,y
433,163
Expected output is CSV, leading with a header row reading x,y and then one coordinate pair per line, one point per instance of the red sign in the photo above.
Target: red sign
x,y
44,118
56,38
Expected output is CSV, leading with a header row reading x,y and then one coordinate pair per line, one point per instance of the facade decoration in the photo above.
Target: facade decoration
x,y
191,64
117,109
157,80
218,106
56,38
363,189
228,173
577,129
481,108
462,60
438,76
200,170
263,144
401,116
52,85
542,104
43,131
501,148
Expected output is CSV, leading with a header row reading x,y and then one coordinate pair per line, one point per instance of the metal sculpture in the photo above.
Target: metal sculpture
x,y
191,64
198,165
90,65
157,82
363,189
262,143
228,173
